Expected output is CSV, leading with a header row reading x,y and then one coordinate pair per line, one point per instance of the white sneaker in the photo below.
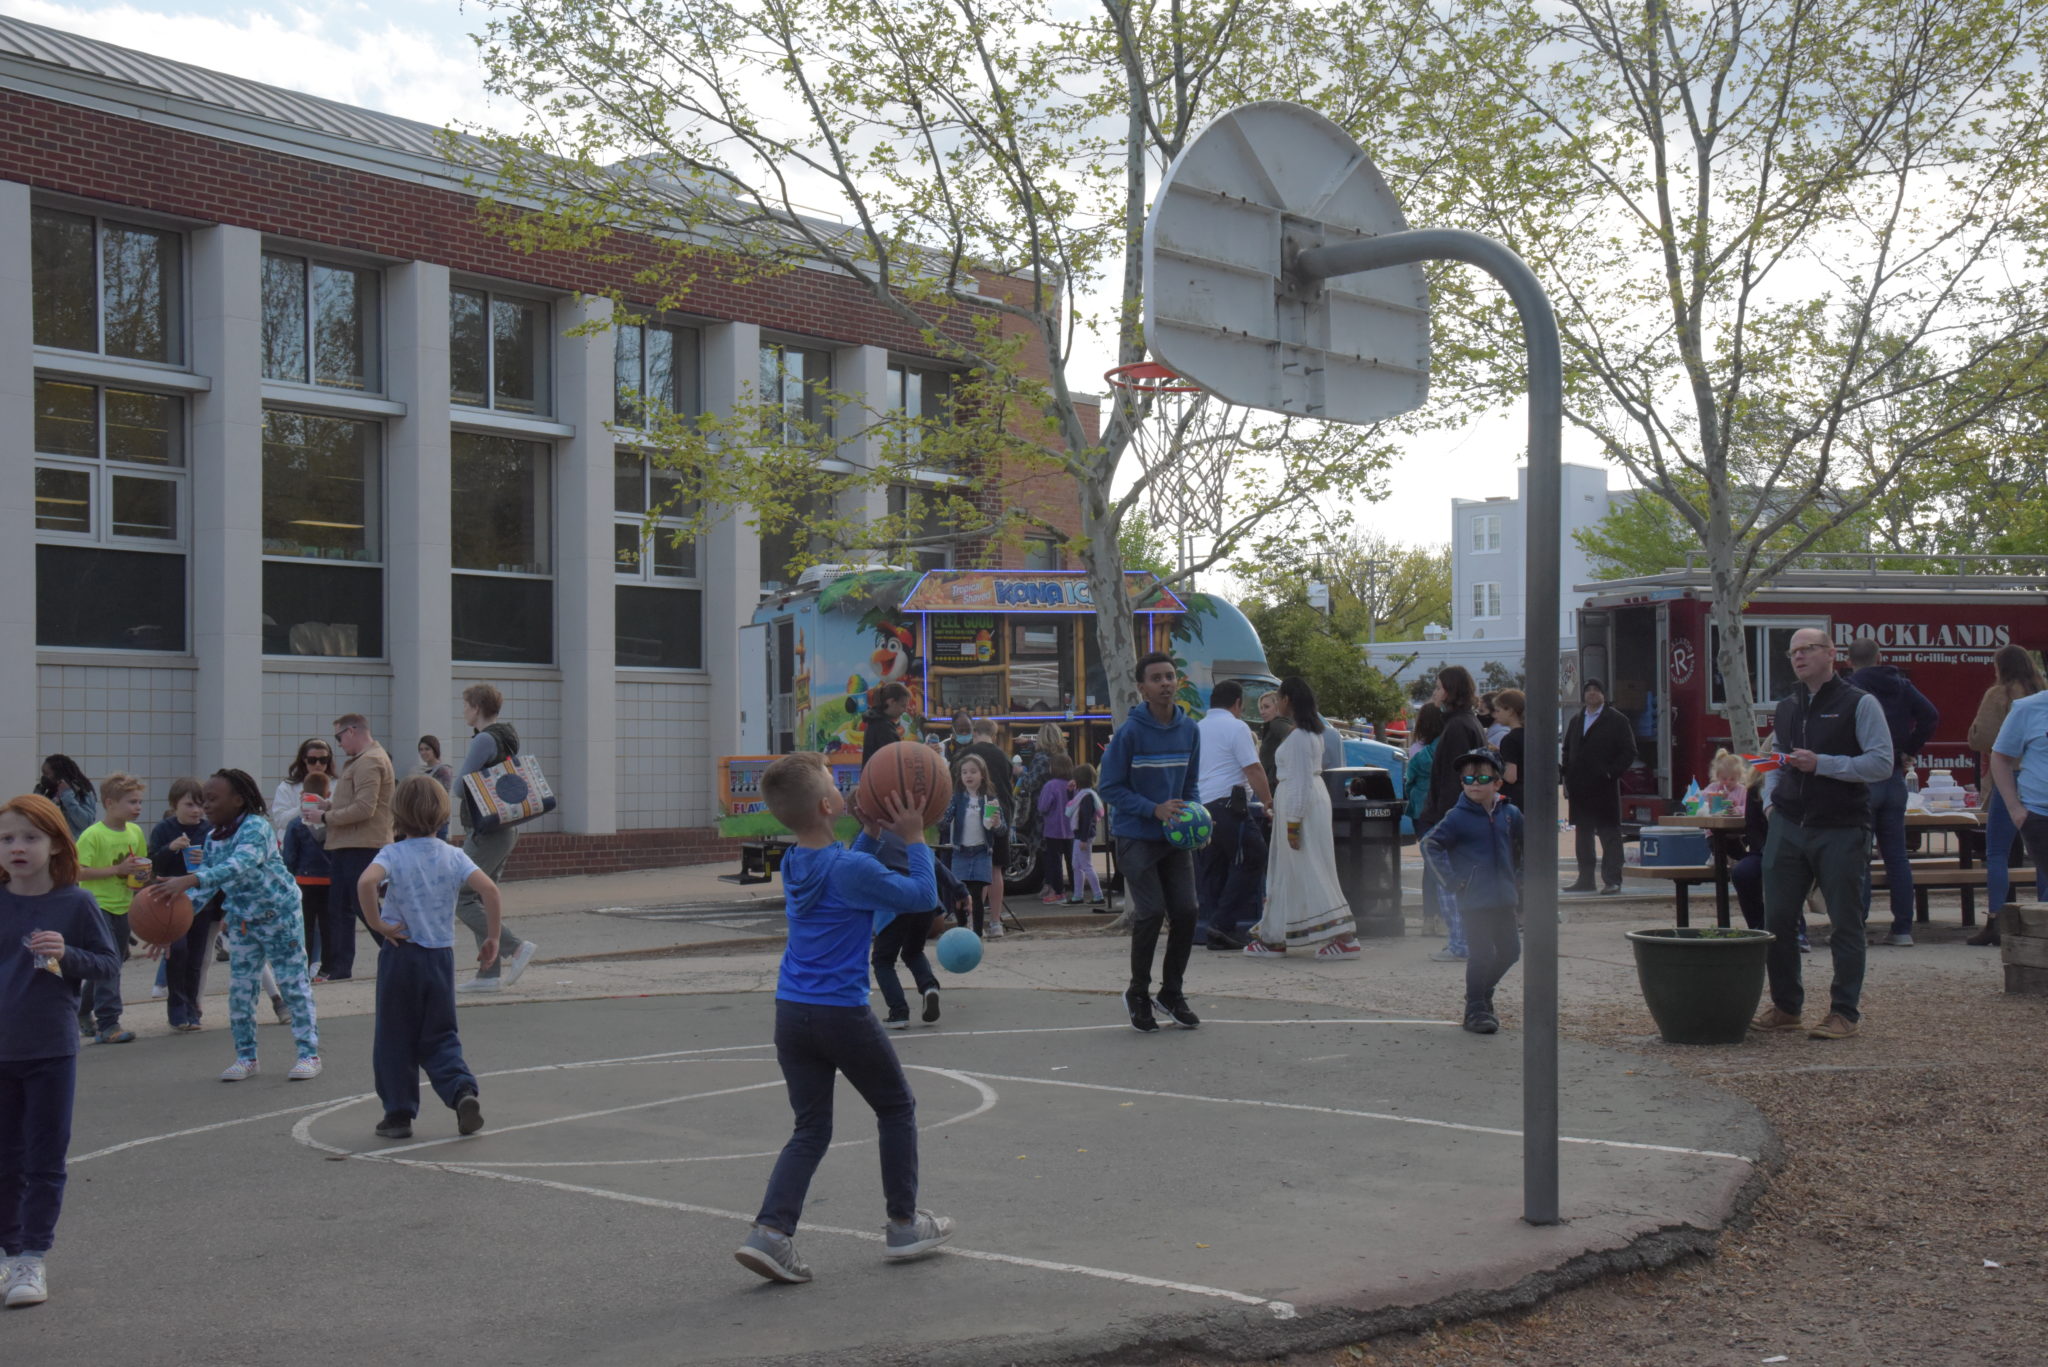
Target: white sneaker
x,y
995,930
521,957
27,1283
481,985
305,1069
239,1069
158,992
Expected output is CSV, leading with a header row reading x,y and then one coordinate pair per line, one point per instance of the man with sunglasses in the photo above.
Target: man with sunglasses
x,y
358,825
1833,742
1475,853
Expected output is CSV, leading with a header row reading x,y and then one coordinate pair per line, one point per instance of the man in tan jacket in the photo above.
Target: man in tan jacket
x,y
358,825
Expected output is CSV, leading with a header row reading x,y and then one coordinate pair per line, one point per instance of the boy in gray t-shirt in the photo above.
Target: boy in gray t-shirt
x,y
408,893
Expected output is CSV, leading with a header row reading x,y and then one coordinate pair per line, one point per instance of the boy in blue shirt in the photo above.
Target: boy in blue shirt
x,y
1149,772
836,898
1475,852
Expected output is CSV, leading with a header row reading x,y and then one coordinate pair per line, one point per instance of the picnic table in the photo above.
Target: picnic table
x,y
1719,827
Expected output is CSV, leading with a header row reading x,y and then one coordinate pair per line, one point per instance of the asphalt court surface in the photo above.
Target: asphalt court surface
x,y
1109,1188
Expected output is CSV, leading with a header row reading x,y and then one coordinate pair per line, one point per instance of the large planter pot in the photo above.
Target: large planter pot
x,y
1702,984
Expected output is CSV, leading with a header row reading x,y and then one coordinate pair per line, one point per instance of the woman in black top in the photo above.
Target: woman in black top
x,y
1457,698
881,728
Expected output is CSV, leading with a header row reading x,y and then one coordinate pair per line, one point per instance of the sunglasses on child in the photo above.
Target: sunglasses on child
x,y
1469,779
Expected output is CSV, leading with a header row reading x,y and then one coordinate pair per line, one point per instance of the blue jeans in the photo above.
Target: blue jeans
x,y
1495,943
416,1028
1888,825
35,1133
1999,834
1454,929
813,1045
1795,858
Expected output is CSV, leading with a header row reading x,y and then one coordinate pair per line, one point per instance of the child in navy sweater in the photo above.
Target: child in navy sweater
x,y
52,938
836,898
1475,851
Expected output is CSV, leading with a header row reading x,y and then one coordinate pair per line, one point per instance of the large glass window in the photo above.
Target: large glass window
x,y
104,286
657,371
795,381
110,508
1486,532
501,535
498,351
923,395
320,323
660,598
927,536
323,545
1486,600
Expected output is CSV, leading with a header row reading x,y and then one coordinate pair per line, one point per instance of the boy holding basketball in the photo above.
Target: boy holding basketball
x,y
1149,773
835,899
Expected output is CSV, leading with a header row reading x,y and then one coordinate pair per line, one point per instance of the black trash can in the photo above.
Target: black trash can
x,y
1365,821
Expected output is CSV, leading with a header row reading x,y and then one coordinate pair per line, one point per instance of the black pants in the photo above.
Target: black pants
x,y
1057,857
1161,880
1493,944
1598,814
903,938
313,911
99,1001
35,1133
185,971
1230,873
416,1028
813,1045
338,926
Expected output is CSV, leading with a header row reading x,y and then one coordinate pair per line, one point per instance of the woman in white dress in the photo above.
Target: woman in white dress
x,y
1305,905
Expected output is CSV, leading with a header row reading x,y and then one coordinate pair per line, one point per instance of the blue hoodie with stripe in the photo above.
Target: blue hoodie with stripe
x,y
1148,762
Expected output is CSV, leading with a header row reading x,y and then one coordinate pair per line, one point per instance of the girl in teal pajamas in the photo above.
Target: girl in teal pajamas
x,y
263,923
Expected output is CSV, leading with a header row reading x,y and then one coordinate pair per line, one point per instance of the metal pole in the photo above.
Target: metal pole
x,y
1546,505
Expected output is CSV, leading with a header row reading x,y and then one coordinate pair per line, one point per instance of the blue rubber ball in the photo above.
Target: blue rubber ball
x,y
959,950
1190,828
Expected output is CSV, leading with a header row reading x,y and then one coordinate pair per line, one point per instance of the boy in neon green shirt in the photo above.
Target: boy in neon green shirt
x,y
113,861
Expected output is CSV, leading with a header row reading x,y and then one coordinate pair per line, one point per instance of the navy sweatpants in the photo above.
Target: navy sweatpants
x,y
35,1133
416,1028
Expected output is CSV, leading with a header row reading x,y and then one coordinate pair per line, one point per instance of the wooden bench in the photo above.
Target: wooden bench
x,y
1928,874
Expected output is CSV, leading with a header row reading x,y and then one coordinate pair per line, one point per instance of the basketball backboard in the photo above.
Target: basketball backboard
x,y
1261,183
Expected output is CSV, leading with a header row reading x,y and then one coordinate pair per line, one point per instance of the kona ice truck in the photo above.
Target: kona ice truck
x,y
1015,646
1650,641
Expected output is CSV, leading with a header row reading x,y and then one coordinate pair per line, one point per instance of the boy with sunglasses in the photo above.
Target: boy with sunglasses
x,y
1476,854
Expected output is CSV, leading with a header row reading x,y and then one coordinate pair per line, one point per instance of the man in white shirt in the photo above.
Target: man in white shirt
x,y
1230,871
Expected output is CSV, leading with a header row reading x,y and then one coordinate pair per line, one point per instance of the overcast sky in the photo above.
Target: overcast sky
x,y
414,58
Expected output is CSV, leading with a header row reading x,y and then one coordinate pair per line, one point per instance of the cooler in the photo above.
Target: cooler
x,y
1663,846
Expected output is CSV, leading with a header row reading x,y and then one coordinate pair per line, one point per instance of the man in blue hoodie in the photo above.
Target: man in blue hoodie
x,y
1911,719
1149,773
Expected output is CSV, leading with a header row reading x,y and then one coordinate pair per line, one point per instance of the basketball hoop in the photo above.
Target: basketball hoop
x,y
1186,439
1149,377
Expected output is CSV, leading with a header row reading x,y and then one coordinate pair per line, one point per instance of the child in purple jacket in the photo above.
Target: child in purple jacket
x,y
1056,831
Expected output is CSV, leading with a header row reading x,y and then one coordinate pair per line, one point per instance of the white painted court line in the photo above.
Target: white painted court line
x,y
206,1129
1359,1115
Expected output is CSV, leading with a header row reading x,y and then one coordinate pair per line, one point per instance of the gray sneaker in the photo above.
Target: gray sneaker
x,y
1447,956
772,1254
27,1283
917,1237
1896,937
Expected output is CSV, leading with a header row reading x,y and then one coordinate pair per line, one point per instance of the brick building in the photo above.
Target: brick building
x,y
289,435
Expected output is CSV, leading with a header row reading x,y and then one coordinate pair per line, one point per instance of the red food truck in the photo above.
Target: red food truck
x,y
1650,641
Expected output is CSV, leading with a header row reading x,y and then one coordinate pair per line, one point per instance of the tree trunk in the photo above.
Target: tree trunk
x,y
1116,631
1732,657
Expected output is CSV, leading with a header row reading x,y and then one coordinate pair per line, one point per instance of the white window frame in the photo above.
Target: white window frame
x,y
544,391
179,328
375,332
1486,594
695,331
642,574
820,387
1485,534
101,472
382,512
548,484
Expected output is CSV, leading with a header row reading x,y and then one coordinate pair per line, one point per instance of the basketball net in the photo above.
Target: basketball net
x,y
1186,441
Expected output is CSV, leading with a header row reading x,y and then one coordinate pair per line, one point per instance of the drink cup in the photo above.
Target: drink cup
x,y
991,815
194,856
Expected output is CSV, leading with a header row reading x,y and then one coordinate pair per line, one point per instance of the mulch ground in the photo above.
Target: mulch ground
x,y
1906,1226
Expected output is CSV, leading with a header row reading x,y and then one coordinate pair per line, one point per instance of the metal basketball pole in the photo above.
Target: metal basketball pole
x,y
1546,504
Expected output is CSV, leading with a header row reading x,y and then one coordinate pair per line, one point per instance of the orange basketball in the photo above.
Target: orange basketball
x,y
157,917
908,767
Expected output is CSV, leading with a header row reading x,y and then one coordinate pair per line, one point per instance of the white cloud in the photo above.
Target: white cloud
x,y
357,54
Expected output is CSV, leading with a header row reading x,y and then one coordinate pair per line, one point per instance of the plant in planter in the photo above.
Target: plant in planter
x,y
1702,984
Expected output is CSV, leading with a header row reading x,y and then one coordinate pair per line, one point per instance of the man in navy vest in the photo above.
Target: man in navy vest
x,y
1833,742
